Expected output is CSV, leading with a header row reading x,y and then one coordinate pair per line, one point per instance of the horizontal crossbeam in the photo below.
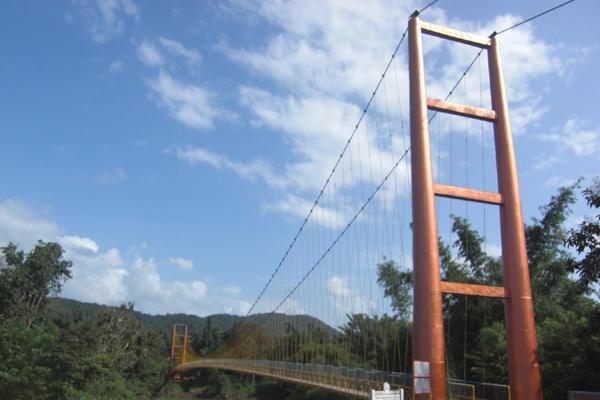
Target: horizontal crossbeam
x,y
455,35
474,290
461,110
478,196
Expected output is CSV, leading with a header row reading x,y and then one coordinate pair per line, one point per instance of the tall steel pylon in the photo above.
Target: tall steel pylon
x,y
178,351
428,335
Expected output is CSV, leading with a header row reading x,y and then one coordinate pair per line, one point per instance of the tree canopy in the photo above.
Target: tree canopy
x,y
45,355
586,240
27,280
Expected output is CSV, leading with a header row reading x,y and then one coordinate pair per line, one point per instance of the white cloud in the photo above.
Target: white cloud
x,y
69,18
546,163
317,128
104,286
103,279
149,54
317,44
182,263
187,102
233,291
347,300
116,67
104,19
195,155
102,276
312,59
288,204
190,104
257,168
174,47
195,290
79,243
150,292
112,177
315,52
558,181
97,277
575,136
147,280
289,306
493,250
241,308
23,225
299,207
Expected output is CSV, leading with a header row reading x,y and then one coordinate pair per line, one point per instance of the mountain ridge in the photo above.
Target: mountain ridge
x,y
76,309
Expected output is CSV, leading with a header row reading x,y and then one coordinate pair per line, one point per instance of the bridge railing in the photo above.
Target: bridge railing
x,y
576,395
481,390
354,382
459,391
349,381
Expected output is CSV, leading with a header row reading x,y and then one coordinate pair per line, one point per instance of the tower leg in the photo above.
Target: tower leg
x,y
428,324
523,368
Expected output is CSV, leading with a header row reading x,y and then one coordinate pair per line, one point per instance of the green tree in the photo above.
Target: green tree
x,y
473,326
552,288
51,356
206,340
397,285
29,343
570,349
28,358
28,279
114,340
380,343
586,240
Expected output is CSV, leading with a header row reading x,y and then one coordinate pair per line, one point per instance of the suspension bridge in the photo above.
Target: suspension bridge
x,y
350,307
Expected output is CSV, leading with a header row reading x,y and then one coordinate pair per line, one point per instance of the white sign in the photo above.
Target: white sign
x,y
386,394
422,386
421,369
421,383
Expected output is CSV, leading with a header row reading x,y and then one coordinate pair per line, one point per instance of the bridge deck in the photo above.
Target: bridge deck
x,y
346,381
351,382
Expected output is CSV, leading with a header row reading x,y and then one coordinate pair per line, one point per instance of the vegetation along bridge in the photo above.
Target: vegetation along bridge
x,y
344,310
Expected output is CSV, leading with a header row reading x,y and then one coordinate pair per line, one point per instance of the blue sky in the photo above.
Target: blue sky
x,y
174,148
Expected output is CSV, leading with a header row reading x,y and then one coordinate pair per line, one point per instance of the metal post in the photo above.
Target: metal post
x,y
523,368
171,372
428,328
185,339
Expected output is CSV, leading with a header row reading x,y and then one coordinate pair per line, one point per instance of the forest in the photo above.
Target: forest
x,y
51,349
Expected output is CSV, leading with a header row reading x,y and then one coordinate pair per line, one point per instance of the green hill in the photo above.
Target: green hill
x,y
275,326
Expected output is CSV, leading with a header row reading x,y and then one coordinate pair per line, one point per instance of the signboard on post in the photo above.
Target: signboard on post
x,y
386,393
421,381
422,386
